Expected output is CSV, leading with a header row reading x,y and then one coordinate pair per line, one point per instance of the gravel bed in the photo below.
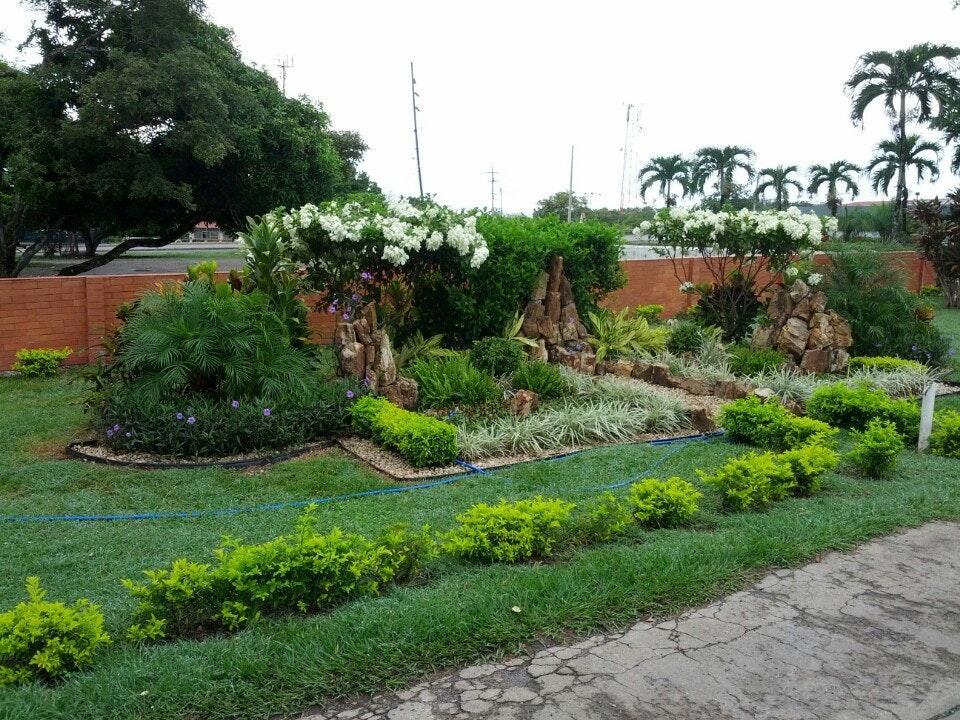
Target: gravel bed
x,y
98,453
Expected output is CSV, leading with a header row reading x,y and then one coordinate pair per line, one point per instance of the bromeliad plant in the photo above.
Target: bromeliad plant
x,y
624,333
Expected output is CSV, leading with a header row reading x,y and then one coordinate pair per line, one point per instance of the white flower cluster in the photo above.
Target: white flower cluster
x,y
405,229
803,228
687,287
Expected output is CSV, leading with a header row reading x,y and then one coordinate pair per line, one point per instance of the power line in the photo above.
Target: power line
x,y
416,133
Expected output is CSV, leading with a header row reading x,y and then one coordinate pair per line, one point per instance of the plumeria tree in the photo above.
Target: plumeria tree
x,y
779,180
744,253
665,171
833,175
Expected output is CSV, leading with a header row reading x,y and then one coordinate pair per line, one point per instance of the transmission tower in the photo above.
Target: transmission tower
x,y
416,131
284,64
493,181
629,193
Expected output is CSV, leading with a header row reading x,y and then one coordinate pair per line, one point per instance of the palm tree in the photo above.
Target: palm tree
x,y
894,158
895,78
778,179
665,170
839,172
722,163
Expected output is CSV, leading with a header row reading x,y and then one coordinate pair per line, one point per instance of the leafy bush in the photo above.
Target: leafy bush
x,y
615,335
202,426
885,362
40,362
419,439
686,336
945,438
450,381
745,360
602,519
770,425
43,640
497,355
417,347
663,503
651,313
540,377
807,464
854,407
876,448
303,572
509,531
751,481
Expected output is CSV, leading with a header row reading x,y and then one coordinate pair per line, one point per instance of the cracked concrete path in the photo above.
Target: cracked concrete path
x,y
873,634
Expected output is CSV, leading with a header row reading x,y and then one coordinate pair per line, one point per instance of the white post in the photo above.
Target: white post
x,y
926,416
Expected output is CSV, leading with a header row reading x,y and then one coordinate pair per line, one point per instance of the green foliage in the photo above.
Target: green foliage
x,y
417,347
686,336
651,313
807,464
541,377
770,425
885,362
40,362
853,407
419,439
663,503
602,519
751,481
203,270
615,335
876,448
306,571
497,356
745,360
509,531
945,438
44,640
453,381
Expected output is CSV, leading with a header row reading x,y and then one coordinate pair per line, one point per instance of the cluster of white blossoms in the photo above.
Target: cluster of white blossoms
x,y
673,222
404,228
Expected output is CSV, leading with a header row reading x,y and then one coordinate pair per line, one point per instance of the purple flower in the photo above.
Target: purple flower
x,y
129,434
266,412
346,317
109,432
331,309
179,416
116,428
366,382
350,394
354,297
234,404
366,277
191,420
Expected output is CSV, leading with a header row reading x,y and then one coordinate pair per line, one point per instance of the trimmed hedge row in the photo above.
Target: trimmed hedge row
x,y
770,425
420,439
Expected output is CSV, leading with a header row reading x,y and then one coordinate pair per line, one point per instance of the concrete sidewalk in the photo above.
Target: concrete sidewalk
x,y
872,635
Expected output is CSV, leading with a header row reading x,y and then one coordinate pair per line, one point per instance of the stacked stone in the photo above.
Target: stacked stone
x,y
551,318
364,353
813,338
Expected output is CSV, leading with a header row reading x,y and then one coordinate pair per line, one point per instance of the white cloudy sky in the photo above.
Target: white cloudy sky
x,y
514,84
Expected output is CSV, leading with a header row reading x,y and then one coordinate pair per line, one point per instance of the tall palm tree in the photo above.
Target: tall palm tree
x,y
722,162
832,175
895,157
778,179
665,170
914,76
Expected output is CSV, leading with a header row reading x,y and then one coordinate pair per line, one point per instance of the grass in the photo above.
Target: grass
x,y
461,613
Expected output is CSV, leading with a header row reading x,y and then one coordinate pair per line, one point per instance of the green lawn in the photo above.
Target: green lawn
x,y
458,613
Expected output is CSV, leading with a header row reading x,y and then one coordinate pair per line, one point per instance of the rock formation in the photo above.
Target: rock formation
x,y
813,338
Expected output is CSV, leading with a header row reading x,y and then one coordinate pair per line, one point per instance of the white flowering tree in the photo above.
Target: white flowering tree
x,y
348,250
745,253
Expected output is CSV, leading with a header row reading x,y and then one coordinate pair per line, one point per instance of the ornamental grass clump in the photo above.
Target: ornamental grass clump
x,y
44,640
453,382
663,503
540,377
876,449
497,356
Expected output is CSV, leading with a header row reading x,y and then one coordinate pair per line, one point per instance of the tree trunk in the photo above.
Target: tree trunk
x,y
669,182
900,216
832,201
119,249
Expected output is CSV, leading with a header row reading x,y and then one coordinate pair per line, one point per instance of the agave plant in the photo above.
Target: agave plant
x,y
624,334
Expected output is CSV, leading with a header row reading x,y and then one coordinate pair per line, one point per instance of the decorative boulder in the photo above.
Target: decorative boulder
x,y
404,392
524,402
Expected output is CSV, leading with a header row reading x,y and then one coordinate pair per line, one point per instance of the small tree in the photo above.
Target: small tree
x,y
938,240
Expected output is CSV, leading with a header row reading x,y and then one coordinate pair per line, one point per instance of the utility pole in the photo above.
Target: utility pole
x,y
570,190
501,199
284,65
493,177
416,131
623,173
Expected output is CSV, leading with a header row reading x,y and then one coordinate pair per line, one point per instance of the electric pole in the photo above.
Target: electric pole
x,y
493,177
284,65
570,190
416,131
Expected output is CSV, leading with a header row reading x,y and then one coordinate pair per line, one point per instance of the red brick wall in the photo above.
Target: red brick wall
x,y
77,311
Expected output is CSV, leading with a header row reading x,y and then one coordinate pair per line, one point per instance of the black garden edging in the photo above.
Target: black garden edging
x,y
76,450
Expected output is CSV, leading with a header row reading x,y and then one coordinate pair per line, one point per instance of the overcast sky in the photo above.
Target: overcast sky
x,y
514,84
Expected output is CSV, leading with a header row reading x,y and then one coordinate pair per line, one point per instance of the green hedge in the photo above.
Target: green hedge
x,y
770,425
853,407
420,439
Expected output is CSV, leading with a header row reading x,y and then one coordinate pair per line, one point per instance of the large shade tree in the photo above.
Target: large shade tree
x,y
911,84
778,180
722,165
833,176
665,171
159,124
895,157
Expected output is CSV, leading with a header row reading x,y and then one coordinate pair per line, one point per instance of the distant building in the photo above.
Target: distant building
x,y
206,232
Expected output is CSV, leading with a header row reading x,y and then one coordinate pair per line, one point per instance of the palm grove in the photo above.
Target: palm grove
x,y
140,119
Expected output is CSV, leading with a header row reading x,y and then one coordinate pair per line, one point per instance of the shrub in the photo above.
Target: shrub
x,y
885,362
876,448
509,531
602,519
651,313
202,426
43,640
419,439
686,336
854,407
540,377
770,425
945,438
305,571
40,362
497,355
663,503
614,335
751,481
745,360
446,382
807,464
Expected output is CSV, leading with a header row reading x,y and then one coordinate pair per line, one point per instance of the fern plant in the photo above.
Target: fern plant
x,y
511,331
417,347
621,334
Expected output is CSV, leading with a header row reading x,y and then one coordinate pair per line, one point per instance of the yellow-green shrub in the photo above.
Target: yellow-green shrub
x,y
751,481
877,448
43,640
945,438
663,503
807,464
770,425
884,362
419,439
40,362
602,519
509,531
